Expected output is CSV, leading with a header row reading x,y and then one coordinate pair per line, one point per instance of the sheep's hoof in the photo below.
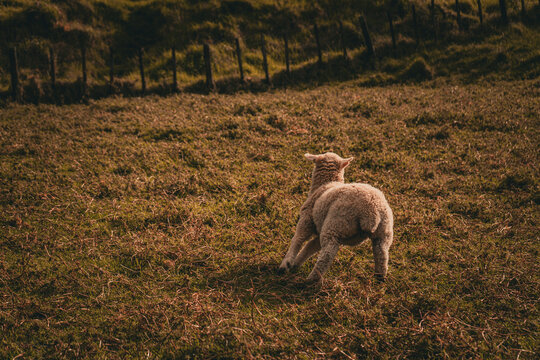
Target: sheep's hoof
x,y
285,266
313,280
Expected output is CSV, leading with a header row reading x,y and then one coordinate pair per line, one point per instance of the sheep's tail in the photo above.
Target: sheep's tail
x,y
370,224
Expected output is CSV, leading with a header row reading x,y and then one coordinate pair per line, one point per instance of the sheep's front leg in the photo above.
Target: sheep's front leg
x,y
311,248
305,229
329,249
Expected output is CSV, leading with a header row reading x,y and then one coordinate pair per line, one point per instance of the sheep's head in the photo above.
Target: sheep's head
x,y
328,167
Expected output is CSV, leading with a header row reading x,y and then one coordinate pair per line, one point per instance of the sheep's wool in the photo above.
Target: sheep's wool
x,y
336,214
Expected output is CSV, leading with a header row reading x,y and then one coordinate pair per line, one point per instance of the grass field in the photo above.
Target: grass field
x,y
153,227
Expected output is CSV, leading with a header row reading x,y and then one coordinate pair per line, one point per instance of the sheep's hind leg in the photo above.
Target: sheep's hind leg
x,y
381,247
309,249
305,229
329,249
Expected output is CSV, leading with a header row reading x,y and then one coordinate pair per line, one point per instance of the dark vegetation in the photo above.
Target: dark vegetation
x,y
144,33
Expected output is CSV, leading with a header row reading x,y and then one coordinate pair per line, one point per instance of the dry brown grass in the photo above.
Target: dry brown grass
x,y
153,227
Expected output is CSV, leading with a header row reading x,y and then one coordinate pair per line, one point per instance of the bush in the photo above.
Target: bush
x,y
418,70
464,7
32,90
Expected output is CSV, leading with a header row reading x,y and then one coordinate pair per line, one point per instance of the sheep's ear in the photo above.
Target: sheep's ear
x,y
346,162
311,157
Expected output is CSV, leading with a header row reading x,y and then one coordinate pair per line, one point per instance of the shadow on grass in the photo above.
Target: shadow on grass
x,y
262,281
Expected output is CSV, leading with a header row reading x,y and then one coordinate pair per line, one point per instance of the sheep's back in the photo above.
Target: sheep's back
x,y
350,208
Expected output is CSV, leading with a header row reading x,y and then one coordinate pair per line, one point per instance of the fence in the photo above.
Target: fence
x,y
210,84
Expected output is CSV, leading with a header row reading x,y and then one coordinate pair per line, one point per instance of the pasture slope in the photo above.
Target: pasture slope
x,y
153,227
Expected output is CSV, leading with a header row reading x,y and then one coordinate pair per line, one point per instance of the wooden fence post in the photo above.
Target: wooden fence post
x,y
458,16
480,15
502,8
342,38
208,66
287,64
111,69
52,70
239,57
415,24
394,47
14,70
84,84
433,21
265,60
318,41
141,70
367,38
174,75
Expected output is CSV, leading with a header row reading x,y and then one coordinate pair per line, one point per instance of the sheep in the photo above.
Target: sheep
x,y
336,214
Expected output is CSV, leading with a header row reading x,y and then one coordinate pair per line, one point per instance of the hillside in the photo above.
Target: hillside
x,y
143,33
142,220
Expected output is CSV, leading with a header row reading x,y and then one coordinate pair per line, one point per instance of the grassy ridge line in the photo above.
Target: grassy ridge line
x,y
512,54
155,225
33,57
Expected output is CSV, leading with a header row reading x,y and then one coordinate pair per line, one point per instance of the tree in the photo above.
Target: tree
x,y
142,29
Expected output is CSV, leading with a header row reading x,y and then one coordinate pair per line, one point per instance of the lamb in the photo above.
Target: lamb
x,y
336,214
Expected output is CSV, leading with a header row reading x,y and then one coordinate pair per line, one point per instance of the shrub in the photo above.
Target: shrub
x,y
418,70
33,91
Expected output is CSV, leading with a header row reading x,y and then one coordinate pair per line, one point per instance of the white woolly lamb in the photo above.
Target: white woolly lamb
x,y
337,214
